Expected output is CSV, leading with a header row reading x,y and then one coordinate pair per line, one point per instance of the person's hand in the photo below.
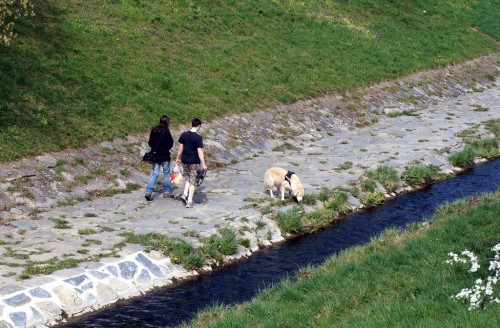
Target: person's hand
x,y
177,161
205,167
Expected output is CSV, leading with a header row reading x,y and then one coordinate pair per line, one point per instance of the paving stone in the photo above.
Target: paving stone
x,y
127,269
105,293
9,289
18,318
68,296
39,293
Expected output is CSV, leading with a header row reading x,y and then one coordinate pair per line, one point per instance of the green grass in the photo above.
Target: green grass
x,y
81,72
417,175
399,279
53,266
182,252
486,147
386,175
290,221
463,158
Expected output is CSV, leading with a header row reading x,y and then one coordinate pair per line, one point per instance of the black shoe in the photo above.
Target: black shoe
x,y
148,197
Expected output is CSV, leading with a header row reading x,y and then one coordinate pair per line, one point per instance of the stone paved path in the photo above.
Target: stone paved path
x,y
428,137
221,198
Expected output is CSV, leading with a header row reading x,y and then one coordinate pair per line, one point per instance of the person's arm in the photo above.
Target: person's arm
x,y
202,158
170,140
179,153
151,140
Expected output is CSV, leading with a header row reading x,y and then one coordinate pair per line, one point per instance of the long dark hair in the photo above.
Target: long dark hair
x,y
164,122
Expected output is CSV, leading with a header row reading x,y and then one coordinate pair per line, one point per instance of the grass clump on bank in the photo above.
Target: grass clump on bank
x,y
486,148
84,72
386,175
417,175
183,252
398,279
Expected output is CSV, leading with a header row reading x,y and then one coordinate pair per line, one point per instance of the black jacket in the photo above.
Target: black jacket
x,y
164,144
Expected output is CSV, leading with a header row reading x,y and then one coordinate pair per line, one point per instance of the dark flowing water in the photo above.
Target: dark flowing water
x,y
236,283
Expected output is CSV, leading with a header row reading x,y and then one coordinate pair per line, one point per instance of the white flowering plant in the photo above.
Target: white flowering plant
x,y
482,293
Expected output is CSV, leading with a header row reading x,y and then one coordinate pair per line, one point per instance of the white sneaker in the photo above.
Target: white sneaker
x,y
189,204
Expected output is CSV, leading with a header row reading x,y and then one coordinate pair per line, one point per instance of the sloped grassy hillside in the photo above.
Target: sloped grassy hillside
x,y
86,71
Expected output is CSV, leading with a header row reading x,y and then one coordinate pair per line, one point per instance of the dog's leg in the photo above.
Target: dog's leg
x,y
282,190
271,192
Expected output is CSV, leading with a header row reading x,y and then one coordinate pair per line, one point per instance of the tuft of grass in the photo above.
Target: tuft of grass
x,y
368,185
87,232
180,251
224,244
50,268
290,221
463,158
345,166
386,175
286,146
337,202
485,148
421,174
494,127
373,198
61,223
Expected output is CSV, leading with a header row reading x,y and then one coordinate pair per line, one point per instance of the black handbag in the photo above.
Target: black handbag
x,y
150,156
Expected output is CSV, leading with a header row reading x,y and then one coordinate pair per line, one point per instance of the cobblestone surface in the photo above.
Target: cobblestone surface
x,y
314,138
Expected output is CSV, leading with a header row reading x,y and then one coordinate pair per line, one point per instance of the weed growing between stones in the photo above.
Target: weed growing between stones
x,y
182,252
286,146
88,231
344,166
485,148
493,126
290,221
61,223
52,266
386,175
373,198
417,175
479,108
463,158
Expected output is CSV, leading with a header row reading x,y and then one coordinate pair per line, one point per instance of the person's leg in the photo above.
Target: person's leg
x,y
192,189
166,177
155,170
186,189
189,188
185,194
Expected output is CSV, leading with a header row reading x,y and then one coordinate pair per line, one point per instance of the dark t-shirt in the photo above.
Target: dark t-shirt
x,y
191,141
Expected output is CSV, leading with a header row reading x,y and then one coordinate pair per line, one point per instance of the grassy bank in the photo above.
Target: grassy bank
x,y
86,71
400,279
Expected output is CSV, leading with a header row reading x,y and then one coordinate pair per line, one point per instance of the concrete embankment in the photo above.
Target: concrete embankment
x,y
366,128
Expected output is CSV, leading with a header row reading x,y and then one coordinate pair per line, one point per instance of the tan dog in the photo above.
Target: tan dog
x,y
277,177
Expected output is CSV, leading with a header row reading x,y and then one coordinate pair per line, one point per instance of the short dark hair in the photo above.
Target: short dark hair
x,y
195,122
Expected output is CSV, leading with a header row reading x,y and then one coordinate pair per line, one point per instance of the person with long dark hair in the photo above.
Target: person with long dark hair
x,y
160,141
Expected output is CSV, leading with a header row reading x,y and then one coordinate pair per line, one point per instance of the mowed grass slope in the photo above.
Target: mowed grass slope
x,y
399,279
81,72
